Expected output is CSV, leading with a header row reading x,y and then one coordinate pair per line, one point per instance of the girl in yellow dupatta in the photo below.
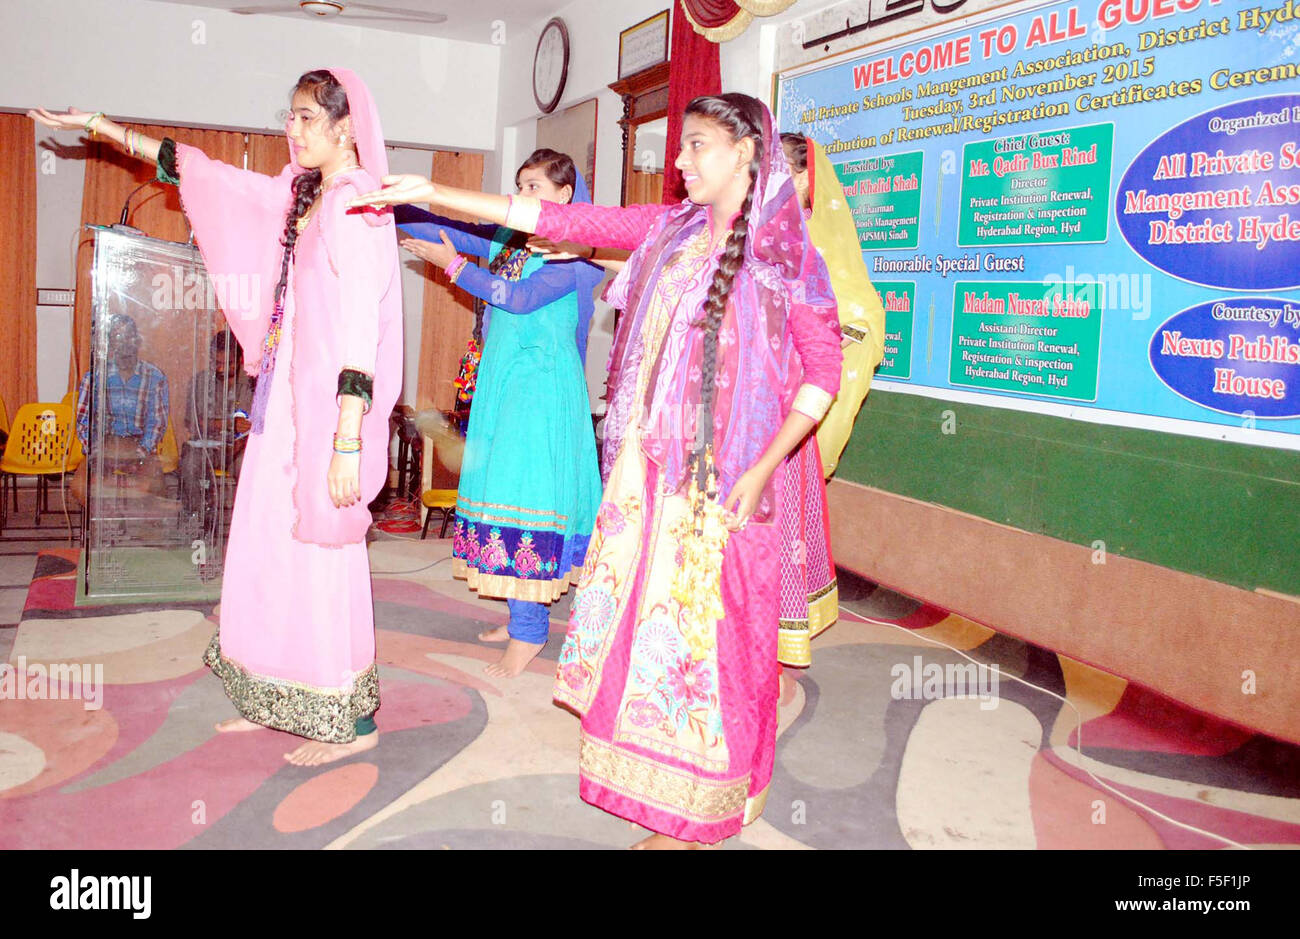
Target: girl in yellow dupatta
x,y
809,598
862,315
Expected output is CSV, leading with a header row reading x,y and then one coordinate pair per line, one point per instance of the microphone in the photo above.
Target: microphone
x,y
126,207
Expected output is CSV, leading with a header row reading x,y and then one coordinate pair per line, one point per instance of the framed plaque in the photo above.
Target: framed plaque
x,y
643,46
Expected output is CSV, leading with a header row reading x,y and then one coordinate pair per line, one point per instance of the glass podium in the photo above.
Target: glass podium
x,y
161,404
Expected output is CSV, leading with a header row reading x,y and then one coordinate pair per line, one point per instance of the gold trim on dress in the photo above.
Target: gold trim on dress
x,y
704,801
823,609
792,648
754,806
795,635
812,401
523,213
325,714
511,508
514,588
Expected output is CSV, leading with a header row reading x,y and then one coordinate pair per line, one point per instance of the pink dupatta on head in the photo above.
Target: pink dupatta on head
x,y
353,295
238,219
758,370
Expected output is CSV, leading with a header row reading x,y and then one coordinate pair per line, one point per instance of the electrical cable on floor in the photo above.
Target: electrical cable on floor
x,y
1078,747
418,569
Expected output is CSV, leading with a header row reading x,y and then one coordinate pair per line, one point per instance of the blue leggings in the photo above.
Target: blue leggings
x,y
529,621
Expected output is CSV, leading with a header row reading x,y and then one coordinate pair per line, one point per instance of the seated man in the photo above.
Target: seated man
x,y
216,416
135,418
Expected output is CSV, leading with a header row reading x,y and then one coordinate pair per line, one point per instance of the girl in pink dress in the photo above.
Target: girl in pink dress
x,y
310,289
729,356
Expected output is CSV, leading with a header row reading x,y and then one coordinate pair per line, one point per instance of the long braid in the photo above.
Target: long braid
x,y
306,187
715,306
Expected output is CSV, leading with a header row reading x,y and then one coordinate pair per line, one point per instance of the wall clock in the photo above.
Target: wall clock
x,y
551,65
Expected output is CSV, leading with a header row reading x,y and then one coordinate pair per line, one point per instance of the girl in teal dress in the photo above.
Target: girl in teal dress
x,y
529,484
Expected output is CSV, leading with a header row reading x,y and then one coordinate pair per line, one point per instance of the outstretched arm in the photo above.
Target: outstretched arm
x,y
602,226
531,293
467,237
97,124
517,296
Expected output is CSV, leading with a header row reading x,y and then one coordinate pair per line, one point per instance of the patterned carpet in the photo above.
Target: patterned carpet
x,y
876,749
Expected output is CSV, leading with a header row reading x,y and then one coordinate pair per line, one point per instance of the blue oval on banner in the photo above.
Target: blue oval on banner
x,y
1211,200
1233,355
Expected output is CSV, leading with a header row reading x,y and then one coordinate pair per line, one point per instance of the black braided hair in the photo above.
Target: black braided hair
x,y
796,151
741,116
332,97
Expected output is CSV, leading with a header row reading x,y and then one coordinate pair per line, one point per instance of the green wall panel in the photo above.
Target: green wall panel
x,y
1220,510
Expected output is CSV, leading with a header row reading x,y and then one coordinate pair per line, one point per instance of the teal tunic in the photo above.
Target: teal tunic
x,y
530,483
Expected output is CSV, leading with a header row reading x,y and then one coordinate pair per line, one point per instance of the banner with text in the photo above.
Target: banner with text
x,y
1020,181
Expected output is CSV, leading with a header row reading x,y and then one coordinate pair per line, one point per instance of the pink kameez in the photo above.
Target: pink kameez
x,y
296,645
676,678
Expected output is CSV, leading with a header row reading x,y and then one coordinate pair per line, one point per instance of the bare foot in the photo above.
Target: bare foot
x,y
787,689
236,725
665,843
500,634
314,752
517,656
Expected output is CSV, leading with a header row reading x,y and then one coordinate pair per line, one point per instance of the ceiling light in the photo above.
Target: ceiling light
x,y
321,7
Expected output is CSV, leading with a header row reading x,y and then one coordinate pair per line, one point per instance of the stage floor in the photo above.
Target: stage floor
x,y
872,752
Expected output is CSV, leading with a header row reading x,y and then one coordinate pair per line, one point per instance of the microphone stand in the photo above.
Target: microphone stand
x,y
126,209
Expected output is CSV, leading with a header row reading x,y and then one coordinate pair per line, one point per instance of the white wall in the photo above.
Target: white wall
x,y
194,65
59,177
747,62
593,27
430,91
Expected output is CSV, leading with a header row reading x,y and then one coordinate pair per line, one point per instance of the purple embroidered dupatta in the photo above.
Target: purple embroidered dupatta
x,y
758,369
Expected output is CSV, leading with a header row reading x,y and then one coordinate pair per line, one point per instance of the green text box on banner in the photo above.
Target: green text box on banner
x,y
1026,338
884,195
899,298
1047,187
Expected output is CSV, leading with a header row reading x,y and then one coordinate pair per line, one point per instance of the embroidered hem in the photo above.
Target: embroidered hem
x,y
326,714
515,588
794,635
664,788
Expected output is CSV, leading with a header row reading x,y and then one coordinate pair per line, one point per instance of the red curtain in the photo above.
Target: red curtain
x,y
18,260
693,70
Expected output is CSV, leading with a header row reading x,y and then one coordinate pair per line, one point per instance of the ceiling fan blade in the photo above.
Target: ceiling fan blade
x,y
250,11
392,14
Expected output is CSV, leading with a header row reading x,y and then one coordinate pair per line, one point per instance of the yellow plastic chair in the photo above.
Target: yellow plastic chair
x,y
35,448
4,416
76,454
438,500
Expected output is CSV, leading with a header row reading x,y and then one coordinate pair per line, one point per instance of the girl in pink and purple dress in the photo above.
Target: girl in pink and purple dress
x,y
730,355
